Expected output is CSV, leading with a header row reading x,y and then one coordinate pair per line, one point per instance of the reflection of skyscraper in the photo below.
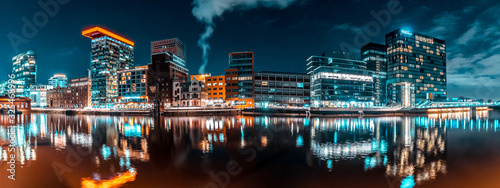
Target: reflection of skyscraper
x,y
24,71
419,151
109,53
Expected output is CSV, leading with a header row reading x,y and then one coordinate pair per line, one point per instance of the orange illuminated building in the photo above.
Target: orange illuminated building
x,y
216,89
109,54
96,32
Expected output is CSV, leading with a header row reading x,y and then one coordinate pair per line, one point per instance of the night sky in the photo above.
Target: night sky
x,y
282,33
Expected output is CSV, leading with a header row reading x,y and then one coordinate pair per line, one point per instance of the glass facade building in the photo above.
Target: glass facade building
x,y
278,89
417,63
24,70
374,56
110,53
58,80
133,85
339,82
244,62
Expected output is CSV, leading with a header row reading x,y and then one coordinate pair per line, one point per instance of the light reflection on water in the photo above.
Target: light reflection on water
x,y
412,150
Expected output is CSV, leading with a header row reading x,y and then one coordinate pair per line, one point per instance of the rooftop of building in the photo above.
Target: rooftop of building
x,y
96,32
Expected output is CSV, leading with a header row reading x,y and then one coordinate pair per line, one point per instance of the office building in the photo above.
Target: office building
x,y
58,80
244,63
417,63
38,95
133,86
24,69
278,89
216,89
339,82
174,45
231,77
166,73
110,53
374,56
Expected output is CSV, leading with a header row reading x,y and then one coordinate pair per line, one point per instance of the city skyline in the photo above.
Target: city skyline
x,y
471,60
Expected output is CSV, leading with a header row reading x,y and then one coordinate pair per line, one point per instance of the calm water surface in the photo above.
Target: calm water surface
x,y
439,150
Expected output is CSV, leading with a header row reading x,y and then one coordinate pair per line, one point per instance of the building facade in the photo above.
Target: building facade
x,y
417,62
59,97
244,63
110,53
231,77
277,89
38,95
165,70
375,57
78,95
339,82
24,69
22,104
194,94
216,89
81,94
174,45
133,86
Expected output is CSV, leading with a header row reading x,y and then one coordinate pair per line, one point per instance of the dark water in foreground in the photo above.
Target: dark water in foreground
x,y
441,150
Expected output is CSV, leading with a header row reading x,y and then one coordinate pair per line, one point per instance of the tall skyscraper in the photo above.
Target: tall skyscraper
x,y
416,68
24,71
244,62
374,56
110,53
339,82
174,45
58,80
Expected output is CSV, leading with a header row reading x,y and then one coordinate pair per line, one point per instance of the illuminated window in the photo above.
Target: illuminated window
x,y
265,83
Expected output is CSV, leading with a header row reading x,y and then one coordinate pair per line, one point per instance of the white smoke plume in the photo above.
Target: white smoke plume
x,y
206,10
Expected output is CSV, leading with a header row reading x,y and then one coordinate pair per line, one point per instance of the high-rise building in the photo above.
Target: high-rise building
x,y
174,45
58,80
110,53
166,73
374,56
243,62
339,82
416,63
279,89
24,70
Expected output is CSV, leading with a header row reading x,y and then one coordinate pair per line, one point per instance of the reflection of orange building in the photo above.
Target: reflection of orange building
x,y
216,88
